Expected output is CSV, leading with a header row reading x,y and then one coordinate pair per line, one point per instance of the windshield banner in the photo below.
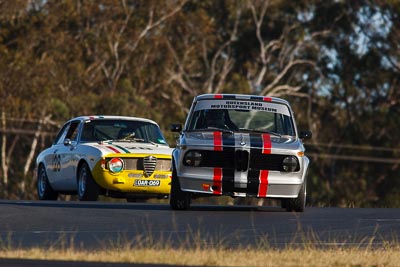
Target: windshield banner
x,y
243,105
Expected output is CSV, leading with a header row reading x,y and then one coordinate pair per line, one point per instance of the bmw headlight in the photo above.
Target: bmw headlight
x,y
290,164
192,158
116,165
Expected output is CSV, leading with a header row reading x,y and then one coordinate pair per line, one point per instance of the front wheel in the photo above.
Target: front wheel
x,y
178,199
88,190
297,204
45,192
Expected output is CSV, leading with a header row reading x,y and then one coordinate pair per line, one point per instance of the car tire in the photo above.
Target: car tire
x,y
88,190
297,204
178,199
44,189
283,203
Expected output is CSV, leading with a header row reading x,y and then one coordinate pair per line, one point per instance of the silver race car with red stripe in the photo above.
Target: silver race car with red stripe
x,y
116,156
240,146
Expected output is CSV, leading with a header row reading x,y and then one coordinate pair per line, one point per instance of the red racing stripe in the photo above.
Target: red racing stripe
x,y
266,144
113,149
218,96
263,178
267,99
217,181
217,141
263,186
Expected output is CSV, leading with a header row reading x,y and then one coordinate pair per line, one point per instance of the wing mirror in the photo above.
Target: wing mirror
x,y
305,134
176,127
67,142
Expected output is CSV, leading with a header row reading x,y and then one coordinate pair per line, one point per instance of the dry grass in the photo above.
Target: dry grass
x,y
220,257
146,249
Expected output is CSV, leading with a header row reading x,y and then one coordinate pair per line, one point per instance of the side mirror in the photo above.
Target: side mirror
x,y
67,142
305,135
176,128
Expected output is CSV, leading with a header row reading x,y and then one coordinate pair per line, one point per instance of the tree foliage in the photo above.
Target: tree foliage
x,y
337,62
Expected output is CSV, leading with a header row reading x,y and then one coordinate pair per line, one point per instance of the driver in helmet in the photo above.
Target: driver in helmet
x,y
218,118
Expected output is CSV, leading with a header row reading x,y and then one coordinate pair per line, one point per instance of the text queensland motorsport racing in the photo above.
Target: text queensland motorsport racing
x,y
111,155
240,146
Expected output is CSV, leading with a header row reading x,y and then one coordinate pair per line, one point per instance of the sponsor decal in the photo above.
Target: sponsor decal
x,y
247,105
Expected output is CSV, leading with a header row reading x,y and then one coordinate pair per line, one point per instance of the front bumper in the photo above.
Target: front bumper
x,y
133,181
276,185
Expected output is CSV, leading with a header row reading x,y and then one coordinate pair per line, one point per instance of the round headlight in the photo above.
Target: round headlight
x,y
116,165
290,164
193,158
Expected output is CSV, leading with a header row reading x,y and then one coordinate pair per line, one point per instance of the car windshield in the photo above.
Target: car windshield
x,y
244,116
122,130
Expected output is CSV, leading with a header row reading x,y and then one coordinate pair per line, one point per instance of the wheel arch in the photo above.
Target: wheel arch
x,y
175,158
50,193
81,162
39,165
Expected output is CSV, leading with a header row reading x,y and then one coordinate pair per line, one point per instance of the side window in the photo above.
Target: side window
x,y
61,135
289,126
196,120
69,130
279,124
152,133
283,125
73,131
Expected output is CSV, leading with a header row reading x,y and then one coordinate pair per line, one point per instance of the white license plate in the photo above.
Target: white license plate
x,y
147,183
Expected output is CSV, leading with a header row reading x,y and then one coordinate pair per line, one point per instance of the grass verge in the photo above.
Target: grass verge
x,y
306,249
219,257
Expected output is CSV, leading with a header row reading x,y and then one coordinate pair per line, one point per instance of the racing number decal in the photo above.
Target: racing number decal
x,y
57,163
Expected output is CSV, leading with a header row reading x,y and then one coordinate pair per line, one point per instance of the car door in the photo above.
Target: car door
x,y
53,158
68,158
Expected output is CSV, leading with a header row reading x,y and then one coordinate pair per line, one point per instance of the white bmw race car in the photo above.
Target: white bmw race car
x,y
123,157
240,146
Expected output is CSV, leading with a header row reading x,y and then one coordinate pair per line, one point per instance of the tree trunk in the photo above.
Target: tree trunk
x,y
32,152
4,165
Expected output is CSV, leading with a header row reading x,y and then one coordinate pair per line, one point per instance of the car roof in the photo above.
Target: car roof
x,y
241,97
111,117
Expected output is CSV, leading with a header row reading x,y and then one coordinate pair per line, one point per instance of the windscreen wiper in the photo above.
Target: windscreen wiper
x,y
211,129
260,131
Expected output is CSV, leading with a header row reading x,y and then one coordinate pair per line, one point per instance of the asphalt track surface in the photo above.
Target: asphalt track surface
x,y
104,225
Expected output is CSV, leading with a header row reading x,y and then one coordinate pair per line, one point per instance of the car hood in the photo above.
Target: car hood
x,y
240,139
130,148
